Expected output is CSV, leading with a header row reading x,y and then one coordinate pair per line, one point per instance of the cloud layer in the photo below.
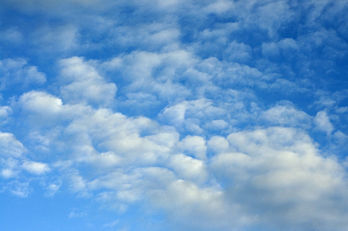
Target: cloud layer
x,y
199,115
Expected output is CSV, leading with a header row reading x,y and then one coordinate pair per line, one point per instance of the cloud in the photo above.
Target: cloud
x,y
277,175
8,173
76,214
111,224
271,162
121,137
286,115
10,146
188,167
13,162
155,75
11,35
219,7
5,112
286,47
53,188
322,122
59,38
43,109
238,52
51,7
195,113
83,83
17,72
41,103
204,207
218,144
191,115
20,189
36,168
194,145
149,37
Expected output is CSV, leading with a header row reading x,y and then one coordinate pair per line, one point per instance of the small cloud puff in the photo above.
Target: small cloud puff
x,y
17,72
323,123
83,84
36,168
41,103
10,146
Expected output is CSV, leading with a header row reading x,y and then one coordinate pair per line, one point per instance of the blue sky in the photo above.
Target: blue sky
x,y
173,115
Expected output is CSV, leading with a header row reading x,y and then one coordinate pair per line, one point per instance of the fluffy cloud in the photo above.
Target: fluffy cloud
x,y
5,111
278,176
18,72
218,144
204,206
188,167
10,146
322,122
168,109
41,103
12,162
286,115
194,145
122,136
84,84
35,167
192,115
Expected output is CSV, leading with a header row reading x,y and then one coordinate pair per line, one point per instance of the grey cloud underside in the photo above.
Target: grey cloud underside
x,y
188,116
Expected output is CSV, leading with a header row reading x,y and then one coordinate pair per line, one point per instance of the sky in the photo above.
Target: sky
x,y
190,115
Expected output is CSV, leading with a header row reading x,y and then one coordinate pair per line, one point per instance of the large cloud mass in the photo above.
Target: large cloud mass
x,y
196,115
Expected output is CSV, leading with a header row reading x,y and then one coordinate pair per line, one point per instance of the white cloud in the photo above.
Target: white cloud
x,y
194,145
217,125
218,144
218,7
55,38
77,183
286,47
238,52
53,188
10,146
9,166
5,111
159,35
41,103
43,109
322,122
189,115
188,168
286,115
195,208
192,66
156,74
176,113
83,84
121,137
8,173
277,175
17,72
36,168
20,189
270,15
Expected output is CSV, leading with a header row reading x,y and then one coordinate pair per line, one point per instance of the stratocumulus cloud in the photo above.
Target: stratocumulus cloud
x,y
174,115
